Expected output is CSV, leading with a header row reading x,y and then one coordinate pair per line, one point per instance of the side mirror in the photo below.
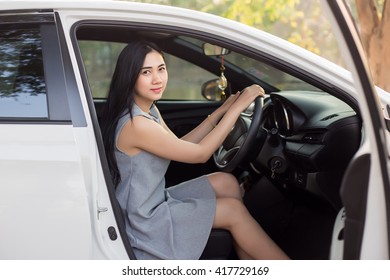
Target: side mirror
x,y
214,50
211,91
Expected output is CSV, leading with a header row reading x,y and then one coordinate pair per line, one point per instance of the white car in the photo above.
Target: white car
x,y
313,155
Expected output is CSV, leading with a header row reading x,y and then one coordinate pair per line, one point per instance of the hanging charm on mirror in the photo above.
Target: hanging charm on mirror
x,y
222,81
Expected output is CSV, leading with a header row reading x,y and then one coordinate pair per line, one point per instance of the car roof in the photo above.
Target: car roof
x,y
93,5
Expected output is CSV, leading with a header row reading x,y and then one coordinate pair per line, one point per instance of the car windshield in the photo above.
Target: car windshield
x,y
267,74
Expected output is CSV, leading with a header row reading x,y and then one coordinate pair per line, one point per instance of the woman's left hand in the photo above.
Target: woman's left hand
x,y
247,96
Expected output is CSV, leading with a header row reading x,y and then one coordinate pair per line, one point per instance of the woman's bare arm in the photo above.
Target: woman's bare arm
x,y
198,133
147,135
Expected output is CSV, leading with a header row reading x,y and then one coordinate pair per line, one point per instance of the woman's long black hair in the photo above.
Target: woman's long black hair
x,y
121,96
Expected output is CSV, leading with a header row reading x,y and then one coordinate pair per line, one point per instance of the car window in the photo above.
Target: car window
x,y
268,74
185,79
259,70
22,83
99,61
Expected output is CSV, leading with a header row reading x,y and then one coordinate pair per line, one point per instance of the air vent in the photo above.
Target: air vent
x,y
329,117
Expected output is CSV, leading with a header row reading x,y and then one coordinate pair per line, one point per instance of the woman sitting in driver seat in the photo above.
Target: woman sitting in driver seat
x,y
175,222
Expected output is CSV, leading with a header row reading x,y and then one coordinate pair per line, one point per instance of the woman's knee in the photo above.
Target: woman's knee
x,y
229,212
225,185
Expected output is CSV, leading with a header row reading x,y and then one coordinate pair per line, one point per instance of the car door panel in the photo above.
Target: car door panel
x,y
42,194
367,215
42,159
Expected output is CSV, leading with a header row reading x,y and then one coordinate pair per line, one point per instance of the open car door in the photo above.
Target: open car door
x,y
362,227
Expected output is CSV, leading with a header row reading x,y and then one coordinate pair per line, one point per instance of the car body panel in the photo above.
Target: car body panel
x,y
43,187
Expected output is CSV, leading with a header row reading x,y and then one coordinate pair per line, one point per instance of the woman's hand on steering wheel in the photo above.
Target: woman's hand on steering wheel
x,y
247,96
244,98
239,142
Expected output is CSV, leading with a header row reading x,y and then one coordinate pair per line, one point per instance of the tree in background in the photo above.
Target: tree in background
x,y
303,23
373,18
300,22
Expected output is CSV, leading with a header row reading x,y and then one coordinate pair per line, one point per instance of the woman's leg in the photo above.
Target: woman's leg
x,y
252,242
225,185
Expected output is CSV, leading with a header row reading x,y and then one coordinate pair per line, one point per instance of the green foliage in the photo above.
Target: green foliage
x,y
258,13
300,22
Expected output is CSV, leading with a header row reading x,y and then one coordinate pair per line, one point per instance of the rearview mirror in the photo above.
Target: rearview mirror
x,y
210,50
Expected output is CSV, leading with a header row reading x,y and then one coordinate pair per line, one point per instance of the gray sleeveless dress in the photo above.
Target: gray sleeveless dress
x,y
162,223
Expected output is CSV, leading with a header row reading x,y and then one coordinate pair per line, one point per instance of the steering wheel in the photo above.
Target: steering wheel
x,y
238,143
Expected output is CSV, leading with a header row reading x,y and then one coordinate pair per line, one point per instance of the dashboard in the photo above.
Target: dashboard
x,y
310,138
